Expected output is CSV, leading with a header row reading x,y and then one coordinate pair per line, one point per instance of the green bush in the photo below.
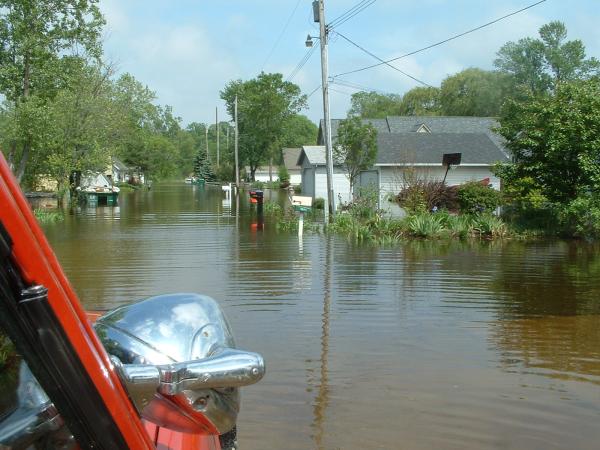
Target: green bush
x,y
474,197
425,225
422,196
45,216
488,225
283,174
581,217
319,203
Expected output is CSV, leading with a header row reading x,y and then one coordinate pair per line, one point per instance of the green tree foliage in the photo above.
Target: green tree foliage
x,y
554,142
356,147
266,104
39,39
421,101
372,105
538,65
202,167
299,130
473,92
474,197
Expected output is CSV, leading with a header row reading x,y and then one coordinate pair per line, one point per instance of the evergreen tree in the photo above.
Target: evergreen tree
x,y
202,167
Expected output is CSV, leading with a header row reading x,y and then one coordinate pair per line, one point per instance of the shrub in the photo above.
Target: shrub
x,y
45,216
489,225
319,203
424,225
474,197
423,195
364,205
581,217
283,174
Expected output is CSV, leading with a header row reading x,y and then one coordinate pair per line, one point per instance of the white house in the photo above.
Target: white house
x,y
314,175
413,147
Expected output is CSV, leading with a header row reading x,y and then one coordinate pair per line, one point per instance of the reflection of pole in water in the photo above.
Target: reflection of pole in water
x,y
322,398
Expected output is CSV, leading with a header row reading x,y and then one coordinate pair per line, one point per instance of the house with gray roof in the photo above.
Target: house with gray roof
x,y
314,175
412,147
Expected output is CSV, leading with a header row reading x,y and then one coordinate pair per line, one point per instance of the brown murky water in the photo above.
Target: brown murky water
x,y
427,345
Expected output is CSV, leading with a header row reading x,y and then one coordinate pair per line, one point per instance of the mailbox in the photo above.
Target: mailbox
x,y
256,196
301,204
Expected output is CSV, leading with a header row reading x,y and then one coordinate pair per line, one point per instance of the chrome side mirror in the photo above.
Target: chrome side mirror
x,y
176,357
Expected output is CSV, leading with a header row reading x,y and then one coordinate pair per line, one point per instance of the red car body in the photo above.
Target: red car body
x,y
34,258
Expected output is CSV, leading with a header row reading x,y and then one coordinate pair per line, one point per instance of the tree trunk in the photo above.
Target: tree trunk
x,y
271,169
27,145
24,157
252,172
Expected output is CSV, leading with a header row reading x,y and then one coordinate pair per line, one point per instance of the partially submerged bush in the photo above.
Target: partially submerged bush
x,y
47,216
475,197
581,217
421,196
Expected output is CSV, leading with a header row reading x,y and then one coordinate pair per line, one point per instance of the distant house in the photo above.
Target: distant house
x,y
413,147
119,172
262,173
290,161
314,175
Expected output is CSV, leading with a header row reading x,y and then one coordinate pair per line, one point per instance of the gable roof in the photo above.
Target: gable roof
x,y
428,148
290,158
435,124
315,155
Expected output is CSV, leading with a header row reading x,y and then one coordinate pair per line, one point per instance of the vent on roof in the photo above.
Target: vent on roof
x,y
422,128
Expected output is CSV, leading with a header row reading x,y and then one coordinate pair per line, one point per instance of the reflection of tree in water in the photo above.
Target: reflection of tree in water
x,y
561,347
549,315
558,279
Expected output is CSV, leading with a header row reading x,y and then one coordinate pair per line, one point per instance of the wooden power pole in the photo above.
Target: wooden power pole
x,y
237,165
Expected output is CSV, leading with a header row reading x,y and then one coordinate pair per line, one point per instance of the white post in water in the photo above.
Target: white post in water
x,y
300,224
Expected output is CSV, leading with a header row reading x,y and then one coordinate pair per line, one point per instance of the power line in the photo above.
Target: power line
x,y
360,6
287,23
444,41
379,59
301,64
313,91
356,86
341,92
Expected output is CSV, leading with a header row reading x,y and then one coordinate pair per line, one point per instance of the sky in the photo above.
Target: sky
x,y
187,51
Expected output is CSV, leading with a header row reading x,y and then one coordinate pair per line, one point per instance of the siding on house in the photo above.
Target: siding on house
x,y
392,179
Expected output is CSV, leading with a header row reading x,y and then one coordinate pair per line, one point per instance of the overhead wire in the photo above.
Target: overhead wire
x,y
285,27
451,38
379,59
356,9
301,64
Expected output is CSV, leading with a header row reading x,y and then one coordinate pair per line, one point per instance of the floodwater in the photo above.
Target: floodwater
x,y
425,345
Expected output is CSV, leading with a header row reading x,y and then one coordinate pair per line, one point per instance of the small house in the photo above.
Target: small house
x,y
290,161
314,175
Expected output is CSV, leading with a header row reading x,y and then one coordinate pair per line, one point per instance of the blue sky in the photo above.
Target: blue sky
x,y
186,51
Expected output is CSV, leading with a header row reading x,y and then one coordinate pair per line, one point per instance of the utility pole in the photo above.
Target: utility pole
x,y
206,140
237,166
217,125
323,33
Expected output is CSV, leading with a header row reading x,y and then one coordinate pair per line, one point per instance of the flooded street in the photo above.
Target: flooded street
x,y
425,345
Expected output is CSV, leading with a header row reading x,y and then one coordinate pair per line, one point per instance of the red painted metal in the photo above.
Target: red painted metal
x,y
39,265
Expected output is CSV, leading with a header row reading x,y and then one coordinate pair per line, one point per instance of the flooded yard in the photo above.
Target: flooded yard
x,y
424,345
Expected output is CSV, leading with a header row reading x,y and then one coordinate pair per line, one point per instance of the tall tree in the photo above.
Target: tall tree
x,y
356,147
473,92
421,101
265,105
539,65
299,131
555,143
372,105
37,40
